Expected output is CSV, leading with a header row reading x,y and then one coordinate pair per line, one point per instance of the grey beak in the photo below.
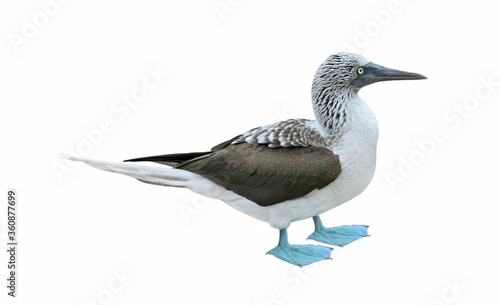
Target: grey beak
x,y
373,73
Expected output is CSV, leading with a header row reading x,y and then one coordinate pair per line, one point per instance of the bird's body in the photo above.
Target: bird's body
x,y
290,170
356,151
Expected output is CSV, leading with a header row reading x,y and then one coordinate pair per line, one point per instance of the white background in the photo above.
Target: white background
x,y
434,232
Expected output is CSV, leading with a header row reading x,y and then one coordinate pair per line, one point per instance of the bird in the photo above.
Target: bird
x,y
289,170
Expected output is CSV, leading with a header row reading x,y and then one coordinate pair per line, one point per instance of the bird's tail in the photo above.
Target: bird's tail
x,y
149,174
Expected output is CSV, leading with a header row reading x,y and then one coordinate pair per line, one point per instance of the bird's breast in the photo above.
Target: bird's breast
x,y
357,150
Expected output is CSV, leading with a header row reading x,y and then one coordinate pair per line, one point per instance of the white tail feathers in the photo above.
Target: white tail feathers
x,y
149,174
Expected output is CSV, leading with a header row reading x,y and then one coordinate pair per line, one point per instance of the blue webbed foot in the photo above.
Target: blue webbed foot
x,y
337,236
299,255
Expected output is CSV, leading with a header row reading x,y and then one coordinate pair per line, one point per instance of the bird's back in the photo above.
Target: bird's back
x,y
266,165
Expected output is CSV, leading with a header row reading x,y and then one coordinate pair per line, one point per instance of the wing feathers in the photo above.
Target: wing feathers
x,y
266,165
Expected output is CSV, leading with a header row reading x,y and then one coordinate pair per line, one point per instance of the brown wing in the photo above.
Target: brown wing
x,y
267,175
258,172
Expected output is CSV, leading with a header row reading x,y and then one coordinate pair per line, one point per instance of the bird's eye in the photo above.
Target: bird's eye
x,y
360,70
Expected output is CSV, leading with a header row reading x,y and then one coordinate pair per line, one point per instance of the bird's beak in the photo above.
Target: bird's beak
x,y
373,73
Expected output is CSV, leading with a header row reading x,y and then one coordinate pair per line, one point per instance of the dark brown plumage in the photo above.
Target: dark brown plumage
x,y
259,173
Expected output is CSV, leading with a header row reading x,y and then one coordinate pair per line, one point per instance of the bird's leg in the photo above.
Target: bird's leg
x,y
337,236
299,255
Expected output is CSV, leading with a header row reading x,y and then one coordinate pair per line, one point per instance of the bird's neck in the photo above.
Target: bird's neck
x,y
350,120
335,110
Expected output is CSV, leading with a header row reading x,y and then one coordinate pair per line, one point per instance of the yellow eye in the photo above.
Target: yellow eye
x,y
360,70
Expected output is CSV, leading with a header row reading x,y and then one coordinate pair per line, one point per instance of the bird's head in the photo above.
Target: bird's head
x,y
339,78
351,72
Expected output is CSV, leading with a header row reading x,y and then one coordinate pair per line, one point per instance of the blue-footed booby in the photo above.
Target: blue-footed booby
x,y
290,170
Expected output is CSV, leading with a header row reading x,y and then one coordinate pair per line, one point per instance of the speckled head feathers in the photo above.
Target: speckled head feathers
x,y
332,87
336,74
